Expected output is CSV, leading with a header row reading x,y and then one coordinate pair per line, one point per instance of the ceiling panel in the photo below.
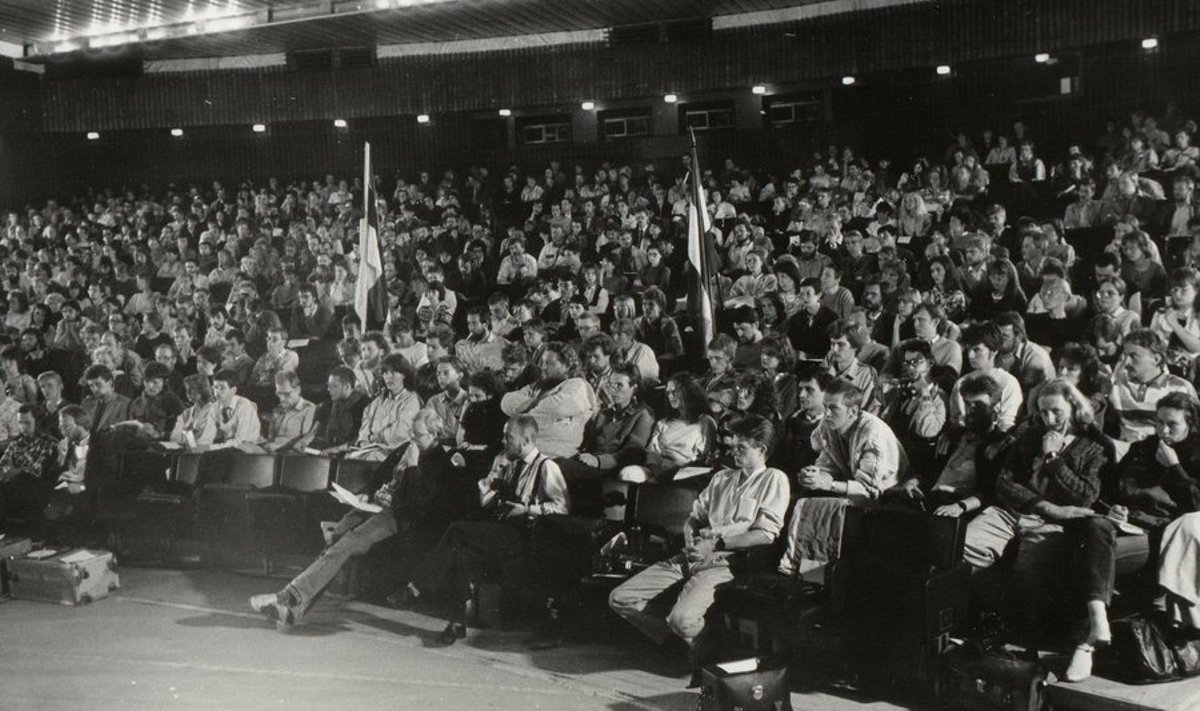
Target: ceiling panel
x,y
28,21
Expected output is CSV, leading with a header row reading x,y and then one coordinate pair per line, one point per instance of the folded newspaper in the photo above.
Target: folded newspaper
x,y
347,497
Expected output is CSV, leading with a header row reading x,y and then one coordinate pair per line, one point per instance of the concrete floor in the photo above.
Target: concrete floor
x,y
187,640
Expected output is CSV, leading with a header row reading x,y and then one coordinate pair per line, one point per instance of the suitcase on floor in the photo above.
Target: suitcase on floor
x,y
10,548
70,577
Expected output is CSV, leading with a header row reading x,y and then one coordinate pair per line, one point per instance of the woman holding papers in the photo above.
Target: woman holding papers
x,y
387,421
1154,517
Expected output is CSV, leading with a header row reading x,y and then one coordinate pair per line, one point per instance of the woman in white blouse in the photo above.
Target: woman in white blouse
x,y
684,436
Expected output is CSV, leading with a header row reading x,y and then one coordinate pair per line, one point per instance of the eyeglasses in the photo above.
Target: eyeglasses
x,y
912,362
1107,293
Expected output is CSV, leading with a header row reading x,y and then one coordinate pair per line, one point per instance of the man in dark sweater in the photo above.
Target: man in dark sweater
x,y
339,418
808,330
618,434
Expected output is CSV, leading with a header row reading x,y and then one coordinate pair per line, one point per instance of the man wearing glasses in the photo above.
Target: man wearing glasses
x,y
1110,301
618,434
917,410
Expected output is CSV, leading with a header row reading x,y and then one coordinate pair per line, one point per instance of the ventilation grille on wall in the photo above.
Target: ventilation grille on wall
x,y
323,60
691,30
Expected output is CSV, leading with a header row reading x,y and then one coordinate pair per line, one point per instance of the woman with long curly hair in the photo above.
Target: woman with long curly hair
x,y
684,435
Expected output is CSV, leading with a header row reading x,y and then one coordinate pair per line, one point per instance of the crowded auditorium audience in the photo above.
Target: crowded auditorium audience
x,y
1007,335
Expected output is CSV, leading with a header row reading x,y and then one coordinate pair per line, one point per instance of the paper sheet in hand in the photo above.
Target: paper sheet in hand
x,y
739,667
689,472
1130,529
347,497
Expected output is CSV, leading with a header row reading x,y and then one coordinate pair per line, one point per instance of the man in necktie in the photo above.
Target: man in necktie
x,y
69,497
237,417
523,486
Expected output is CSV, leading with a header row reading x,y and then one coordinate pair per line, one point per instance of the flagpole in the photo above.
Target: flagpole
x,y
362,305
698,253
366,187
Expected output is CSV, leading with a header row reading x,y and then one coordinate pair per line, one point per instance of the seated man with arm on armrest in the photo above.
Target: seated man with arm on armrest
x,y
858,459
292,420
962,477
523,486
617,435
741,507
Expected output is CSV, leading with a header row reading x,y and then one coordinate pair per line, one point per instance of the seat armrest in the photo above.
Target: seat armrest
x,y
762,558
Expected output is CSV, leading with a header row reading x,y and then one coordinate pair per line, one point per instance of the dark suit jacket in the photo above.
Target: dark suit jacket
x,y
114,410
316,326
810,335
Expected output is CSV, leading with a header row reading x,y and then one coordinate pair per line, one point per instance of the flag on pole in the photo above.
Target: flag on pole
x,y
370,291
701,287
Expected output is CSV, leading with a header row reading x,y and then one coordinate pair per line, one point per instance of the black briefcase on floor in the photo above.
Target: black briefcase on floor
x,y
746,685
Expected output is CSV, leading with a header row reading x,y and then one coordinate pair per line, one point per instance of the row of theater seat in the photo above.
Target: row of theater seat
x,y
900,583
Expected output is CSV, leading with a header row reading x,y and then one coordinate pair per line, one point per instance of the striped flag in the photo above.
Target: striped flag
x,y
701,287
370,291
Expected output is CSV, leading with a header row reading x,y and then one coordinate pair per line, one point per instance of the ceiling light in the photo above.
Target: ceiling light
x,y
422,118
1041,57
227,24
259,128
847,81
93,136
339,123
670,98
588,105
112,40
1150,43
177,132
758,89
943,69
505,112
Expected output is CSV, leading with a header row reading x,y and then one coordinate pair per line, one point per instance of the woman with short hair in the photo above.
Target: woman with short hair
x,y
1158,492
1047,487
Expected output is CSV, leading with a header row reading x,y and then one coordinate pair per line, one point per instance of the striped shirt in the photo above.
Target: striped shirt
x,y
1134,403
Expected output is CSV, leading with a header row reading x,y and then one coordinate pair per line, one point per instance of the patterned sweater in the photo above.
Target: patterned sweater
x,y
1072,478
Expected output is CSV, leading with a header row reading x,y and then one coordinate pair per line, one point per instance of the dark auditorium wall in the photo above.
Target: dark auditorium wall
x,y
900,115
20,135
921,34
899,112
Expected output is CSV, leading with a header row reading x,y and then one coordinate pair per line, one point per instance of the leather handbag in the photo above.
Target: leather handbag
x,y
1151,648
747,685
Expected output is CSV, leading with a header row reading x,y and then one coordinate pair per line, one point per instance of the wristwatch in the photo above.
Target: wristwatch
x,y
720,544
